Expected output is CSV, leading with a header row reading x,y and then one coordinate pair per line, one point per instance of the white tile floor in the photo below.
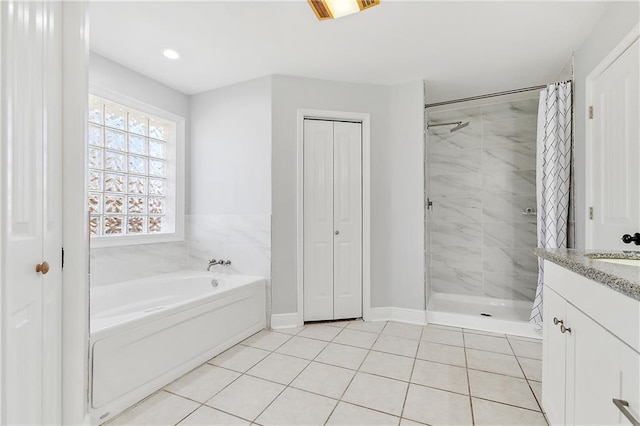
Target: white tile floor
x,y
357,373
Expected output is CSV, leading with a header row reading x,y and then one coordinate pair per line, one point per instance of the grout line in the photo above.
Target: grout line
x,y
533,410
301,371
466,363
356,373
527,380
182,419
283,389
413,367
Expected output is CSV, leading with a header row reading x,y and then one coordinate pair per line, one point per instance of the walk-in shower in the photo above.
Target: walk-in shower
x,y
481,221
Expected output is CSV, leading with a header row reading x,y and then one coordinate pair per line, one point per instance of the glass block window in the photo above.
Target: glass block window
x,y
131,156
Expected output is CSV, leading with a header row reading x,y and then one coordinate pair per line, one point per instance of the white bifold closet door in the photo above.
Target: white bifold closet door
x,y
332,220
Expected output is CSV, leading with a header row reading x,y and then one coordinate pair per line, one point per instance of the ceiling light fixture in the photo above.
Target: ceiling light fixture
x,y
331,9
170,54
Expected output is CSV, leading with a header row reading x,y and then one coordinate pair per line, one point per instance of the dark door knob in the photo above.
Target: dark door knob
x,y
628,239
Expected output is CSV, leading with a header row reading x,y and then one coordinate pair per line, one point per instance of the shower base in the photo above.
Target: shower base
x,y
482,313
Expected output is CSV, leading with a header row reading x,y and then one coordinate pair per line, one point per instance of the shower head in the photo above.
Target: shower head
x,y
460,125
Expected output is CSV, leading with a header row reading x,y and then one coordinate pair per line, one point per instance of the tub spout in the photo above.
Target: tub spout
x,y
213,262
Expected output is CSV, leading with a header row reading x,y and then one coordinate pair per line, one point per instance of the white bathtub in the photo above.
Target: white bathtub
x,y
146,333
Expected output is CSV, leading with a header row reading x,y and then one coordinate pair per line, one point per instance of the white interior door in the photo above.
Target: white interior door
x,y
347,220
318,220
332,220
615,153
30,91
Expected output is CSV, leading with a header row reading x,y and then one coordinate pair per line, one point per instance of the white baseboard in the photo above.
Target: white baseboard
x,y
390,313
284,320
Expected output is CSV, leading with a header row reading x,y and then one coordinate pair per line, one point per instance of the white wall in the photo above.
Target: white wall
x,y
617,21
231,149
230,168
405,256
113,76
396,178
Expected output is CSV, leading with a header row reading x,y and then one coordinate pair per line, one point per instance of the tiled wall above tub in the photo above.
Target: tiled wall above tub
x,y
245,240
482,178
116,264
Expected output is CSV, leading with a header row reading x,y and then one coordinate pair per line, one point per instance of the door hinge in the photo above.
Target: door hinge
x,y
429,204
590,213
591,112
62,261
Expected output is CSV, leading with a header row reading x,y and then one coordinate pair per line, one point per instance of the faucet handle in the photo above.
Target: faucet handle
x,y
226,263
212,261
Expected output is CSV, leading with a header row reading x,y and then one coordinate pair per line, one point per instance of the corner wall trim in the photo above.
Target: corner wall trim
x,y
279,321
390,313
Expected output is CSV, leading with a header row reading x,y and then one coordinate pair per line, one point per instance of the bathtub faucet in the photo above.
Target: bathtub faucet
x,y
213,262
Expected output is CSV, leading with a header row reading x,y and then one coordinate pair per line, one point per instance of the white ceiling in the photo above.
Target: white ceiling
x,y
460,48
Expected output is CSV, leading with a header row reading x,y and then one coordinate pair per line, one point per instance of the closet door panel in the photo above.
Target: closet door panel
x,y
347,181
318,220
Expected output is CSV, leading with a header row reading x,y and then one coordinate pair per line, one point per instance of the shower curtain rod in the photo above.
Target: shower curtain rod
x,y
490,95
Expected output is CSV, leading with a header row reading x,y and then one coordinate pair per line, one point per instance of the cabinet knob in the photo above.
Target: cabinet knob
x,y
564,329
556,321
43,268
337,232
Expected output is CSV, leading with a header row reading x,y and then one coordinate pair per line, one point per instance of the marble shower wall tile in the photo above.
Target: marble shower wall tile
x,y
457,257
456,234
512,110
496,208
508,259
510,184
443,139
509,132
522,234
445,280
481,179
510,285
509,158
455,185
452,159
468,209
470,114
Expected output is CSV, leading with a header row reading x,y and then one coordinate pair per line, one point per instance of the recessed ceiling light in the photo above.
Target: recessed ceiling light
x,y
170,54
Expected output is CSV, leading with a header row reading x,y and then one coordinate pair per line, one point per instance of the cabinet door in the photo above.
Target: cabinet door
x,y
553,358
630,386
593,371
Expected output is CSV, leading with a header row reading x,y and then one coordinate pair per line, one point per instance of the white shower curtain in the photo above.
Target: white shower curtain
x,y
553,174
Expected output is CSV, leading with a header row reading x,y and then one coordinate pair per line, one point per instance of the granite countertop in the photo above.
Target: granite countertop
x,y
624,279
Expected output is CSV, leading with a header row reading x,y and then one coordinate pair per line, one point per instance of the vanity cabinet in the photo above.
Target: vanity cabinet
x,y
590,356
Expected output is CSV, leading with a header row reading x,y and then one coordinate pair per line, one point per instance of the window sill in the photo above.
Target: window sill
x,y
133,240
